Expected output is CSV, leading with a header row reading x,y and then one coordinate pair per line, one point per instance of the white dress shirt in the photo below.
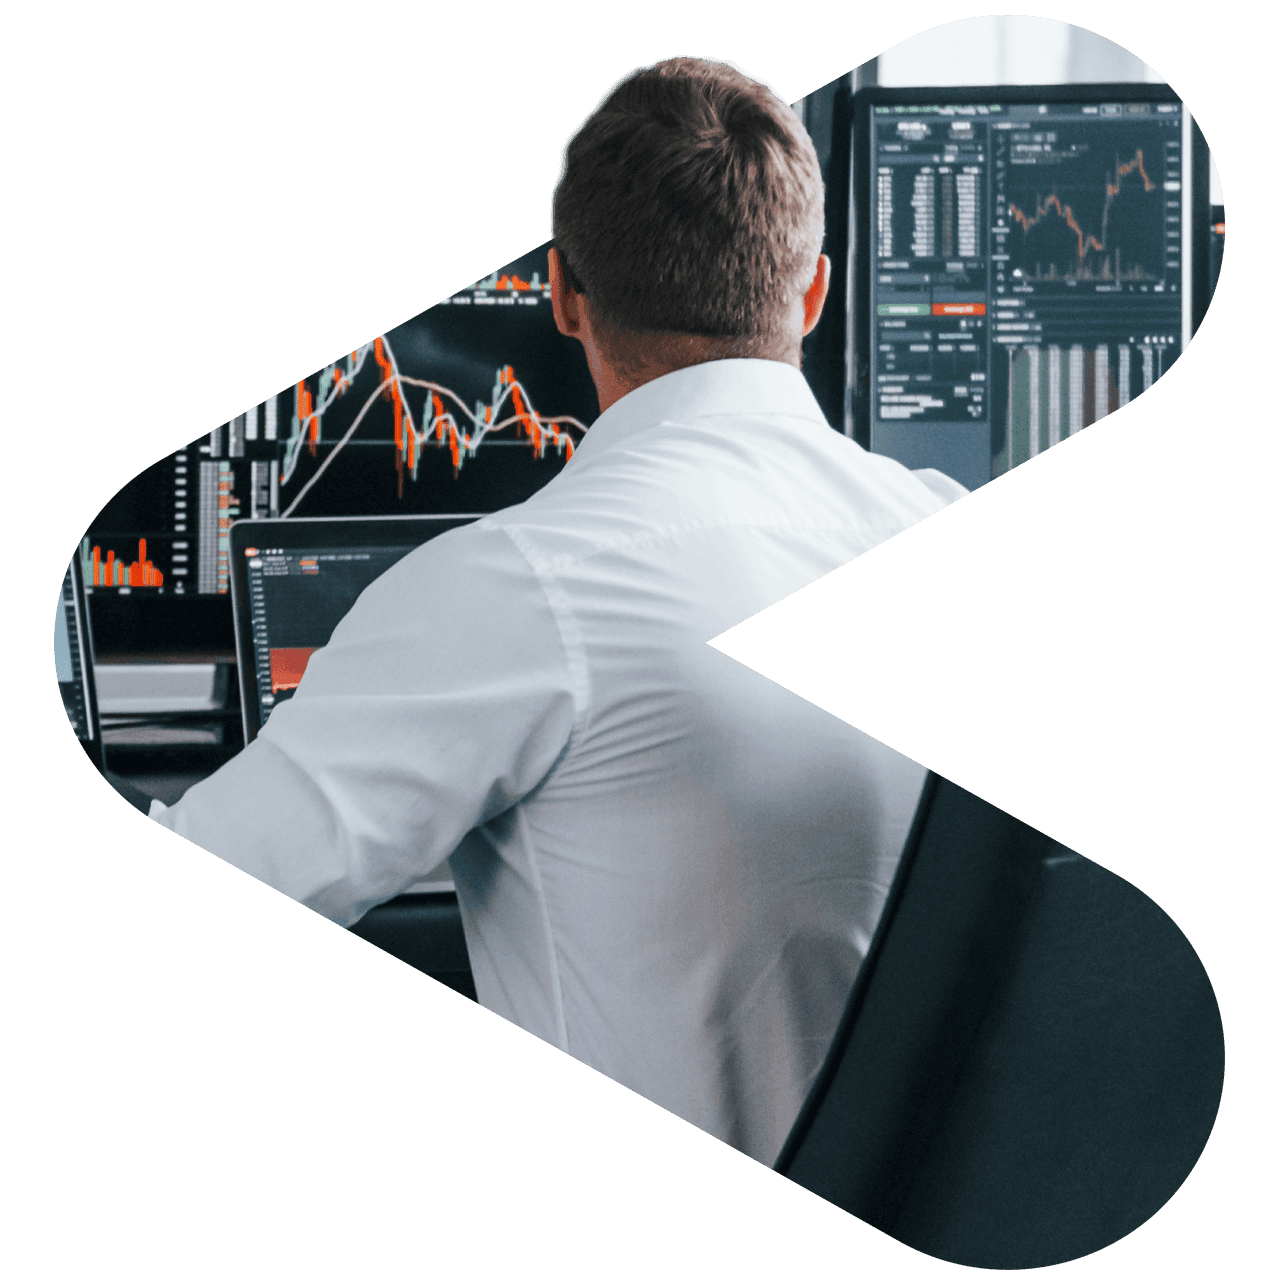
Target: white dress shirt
x,y
667,865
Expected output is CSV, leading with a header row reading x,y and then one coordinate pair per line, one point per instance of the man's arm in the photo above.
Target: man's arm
x,y
443,697
940,484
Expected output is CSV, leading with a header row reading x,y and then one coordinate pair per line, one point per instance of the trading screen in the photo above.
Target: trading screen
x,y
1028,274
471,406
296,598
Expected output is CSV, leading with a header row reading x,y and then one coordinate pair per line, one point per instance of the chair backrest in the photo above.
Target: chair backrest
x,y
1031,1058
425,931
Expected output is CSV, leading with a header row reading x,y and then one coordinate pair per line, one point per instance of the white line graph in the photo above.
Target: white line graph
x,y
461,430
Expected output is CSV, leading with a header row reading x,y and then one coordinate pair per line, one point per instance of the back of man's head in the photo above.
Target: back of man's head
x,y
691,203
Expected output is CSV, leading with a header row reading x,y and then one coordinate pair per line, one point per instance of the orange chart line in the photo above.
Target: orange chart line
x,y
1064,211
442,425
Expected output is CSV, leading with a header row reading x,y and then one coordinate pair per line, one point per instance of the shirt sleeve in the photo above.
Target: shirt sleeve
x,y
443,698
940,484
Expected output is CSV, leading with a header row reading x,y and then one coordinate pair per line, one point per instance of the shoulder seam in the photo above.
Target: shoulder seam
x,y
566,622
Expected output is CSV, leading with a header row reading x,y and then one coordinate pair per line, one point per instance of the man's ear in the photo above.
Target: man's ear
x,y
816,294
566,305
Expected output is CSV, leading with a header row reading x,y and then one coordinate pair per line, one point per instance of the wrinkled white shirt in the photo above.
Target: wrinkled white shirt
x,y
666,865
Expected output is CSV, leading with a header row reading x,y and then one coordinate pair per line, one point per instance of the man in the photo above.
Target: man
x,y
666,865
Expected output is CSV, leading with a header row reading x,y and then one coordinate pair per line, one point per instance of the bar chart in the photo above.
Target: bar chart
x,y
1055,391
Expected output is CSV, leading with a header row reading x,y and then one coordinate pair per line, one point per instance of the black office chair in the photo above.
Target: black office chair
x,y
425,931
1031,1058
124,788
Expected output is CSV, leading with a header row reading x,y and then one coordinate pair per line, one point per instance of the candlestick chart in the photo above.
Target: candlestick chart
x,y
472,405
1089,248
1079,213
443,423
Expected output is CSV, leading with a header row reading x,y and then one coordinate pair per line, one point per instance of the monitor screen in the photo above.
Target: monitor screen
x,y
1025,265
73,663
1217,238
469,407
292,583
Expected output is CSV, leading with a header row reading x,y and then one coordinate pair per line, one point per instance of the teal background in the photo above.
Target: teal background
x,y
206,1079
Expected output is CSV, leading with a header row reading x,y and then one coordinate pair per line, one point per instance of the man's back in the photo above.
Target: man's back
x,y
712,851
667,865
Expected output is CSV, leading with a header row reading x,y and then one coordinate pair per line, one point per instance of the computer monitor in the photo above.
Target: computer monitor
x,y
293,580
469,407
1217,239
1026,261
73,663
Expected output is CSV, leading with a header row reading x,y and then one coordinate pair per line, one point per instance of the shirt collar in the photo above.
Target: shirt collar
x,y
716,388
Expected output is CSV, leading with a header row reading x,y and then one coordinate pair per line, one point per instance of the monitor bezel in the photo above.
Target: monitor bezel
x,y
861,175
94,746
303,533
